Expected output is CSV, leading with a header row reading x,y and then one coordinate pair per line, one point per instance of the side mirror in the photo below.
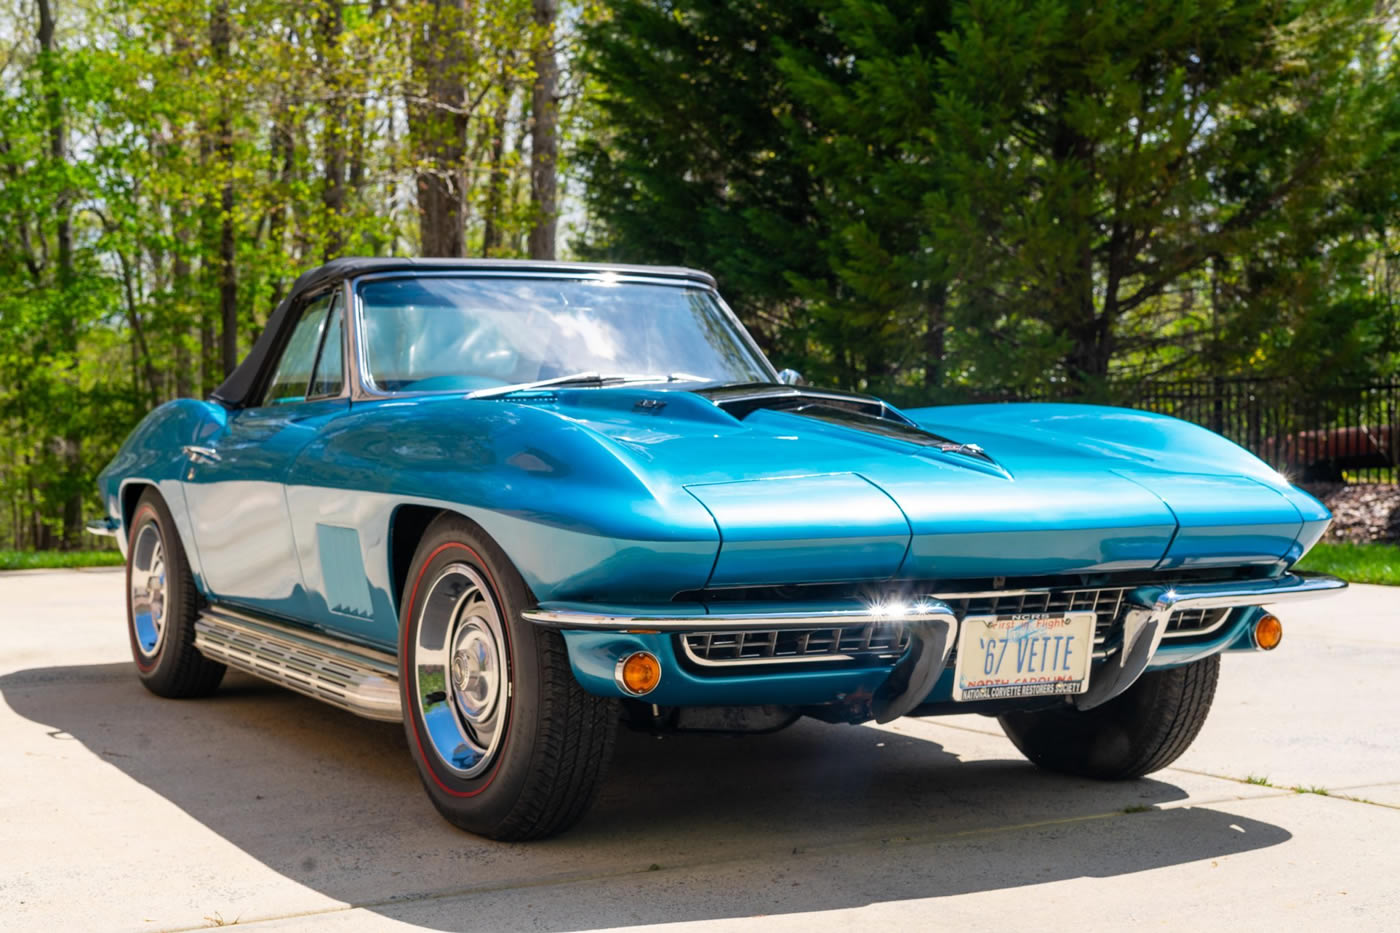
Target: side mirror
x,y
791,377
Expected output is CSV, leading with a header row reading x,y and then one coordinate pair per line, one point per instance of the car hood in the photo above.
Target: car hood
x,y
798,496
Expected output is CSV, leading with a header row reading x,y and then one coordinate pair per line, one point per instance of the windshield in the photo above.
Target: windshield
x,y
462,333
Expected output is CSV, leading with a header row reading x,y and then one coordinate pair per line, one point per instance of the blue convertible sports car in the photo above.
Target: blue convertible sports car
x,y
511,503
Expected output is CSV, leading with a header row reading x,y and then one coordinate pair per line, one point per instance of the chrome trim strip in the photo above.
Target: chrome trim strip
x,y
827,618
355,678
354,375
198,454
758,353
1145,622
1197,632
1289,587
694,658
1157,599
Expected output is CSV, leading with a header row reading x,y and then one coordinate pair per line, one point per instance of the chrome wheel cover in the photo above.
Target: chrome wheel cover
x,y
147,596
461,679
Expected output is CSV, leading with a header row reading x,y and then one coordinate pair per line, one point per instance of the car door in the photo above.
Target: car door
x,y
235,483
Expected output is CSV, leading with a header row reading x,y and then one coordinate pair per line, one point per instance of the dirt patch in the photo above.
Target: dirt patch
x,y
1361,512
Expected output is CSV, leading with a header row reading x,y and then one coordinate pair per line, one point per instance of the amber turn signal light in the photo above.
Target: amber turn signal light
x,y
638,673
1268,631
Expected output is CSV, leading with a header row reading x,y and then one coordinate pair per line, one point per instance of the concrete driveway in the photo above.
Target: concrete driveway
x,y
121,811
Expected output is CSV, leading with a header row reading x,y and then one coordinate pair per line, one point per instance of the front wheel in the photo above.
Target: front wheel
x,y
162,605
508,745
1142,730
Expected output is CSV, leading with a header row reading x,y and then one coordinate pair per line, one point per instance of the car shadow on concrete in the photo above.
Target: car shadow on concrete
x,y
333,802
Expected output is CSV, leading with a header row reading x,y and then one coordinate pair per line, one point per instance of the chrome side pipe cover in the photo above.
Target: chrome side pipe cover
x,y
360,680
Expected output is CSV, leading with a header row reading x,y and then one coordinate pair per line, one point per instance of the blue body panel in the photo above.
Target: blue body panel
x,y
239,506
805,529
1229,508
597,497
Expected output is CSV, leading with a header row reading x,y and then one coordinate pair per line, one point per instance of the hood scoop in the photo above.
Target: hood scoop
x,y
741,401
843,409
888,427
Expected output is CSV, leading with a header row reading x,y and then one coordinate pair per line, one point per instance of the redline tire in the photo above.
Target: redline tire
x,y
507,744
162,605
1142,730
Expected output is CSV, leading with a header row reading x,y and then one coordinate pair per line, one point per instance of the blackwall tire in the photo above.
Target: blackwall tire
x,y
162,605
508,745
1142,730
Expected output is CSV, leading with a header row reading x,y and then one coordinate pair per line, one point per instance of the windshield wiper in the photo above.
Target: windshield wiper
x,y
582,379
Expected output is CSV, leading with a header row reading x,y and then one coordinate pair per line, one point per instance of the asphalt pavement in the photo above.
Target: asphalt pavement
x,y
122,811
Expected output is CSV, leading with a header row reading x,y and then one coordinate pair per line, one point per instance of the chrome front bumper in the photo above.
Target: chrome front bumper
x,y
632,618
933,626
719,617
1150,607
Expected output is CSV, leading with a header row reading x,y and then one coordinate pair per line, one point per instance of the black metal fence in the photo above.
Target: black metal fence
x,y
1347,434
1350,433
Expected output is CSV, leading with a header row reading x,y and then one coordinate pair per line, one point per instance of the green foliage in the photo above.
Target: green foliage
x,y
880,310
912,197
691,160
1359,563
37,560
168,167
1115,167
909,195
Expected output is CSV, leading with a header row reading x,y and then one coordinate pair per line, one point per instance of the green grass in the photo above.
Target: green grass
x,y
1359,563
1255,779
31,560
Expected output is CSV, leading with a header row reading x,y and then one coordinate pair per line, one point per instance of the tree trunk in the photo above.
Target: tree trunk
x,y
209,380
282,150
140,350
935,336
1091,350
517,235
1076,310
438,125
493,234
544,135
180,287
58,138
220,37
333,135
63,208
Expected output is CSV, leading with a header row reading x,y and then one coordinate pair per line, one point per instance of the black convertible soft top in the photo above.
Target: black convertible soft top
x,y
242,383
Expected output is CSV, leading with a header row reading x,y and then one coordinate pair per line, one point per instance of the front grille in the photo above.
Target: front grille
x,y
884,641
1104,602
843,643
1188,622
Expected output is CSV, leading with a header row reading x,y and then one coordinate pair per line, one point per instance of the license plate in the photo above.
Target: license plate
x,y
1037,654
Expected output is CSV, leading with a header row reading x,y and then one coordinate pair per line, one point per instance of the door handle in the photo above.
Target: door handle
x,y
201,454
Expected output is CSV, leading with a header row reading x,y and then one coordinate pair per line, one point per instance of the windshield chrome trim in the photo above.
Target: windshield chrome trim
x,y
362,389
744,334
